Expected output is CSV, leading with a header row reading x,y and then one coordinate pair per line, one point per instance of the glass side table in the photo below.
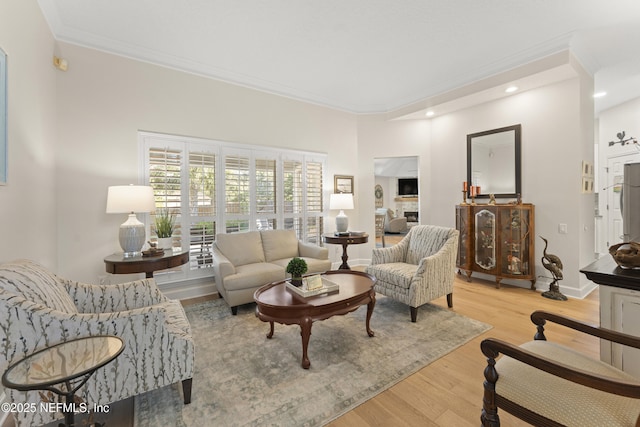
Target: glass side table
x,y
63,368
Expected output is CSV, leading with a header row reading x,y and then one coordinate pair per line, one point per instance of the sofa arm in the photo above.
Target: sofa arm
x,y
222,267
311,250
113,298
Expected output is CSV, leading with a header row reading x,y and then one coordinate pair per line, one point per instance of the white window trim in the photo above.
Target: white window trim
x,y
221,149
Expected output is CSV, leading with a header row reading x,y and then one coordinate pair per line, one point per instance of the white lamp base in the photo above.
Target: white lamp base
x,y
132,236
342,222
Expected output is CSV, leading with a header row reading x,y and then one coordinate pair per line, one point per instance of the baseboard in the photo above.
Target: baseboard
x,y
189,289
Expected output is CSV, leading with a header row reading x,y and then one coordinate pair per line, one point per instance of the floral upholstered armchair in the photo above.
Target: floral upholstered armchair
x,y
39,309
420,268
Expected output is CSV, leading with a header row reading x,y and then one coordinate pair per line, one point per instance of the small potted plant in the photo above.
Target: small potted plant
x,y
296,267
165,222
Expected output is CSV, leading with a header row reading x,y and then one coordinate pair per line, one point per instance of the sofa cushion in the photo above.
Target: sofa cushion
x,y
253,275
34,283
241,248
314,265
279,244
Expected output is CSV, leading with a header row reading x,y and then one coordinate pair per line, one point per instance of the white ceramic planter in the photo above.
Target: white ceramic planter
x,y
165,243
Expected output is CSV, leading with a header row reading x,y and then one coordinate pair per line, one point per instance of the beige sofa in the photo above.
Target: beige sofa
x,y
392,223
245,261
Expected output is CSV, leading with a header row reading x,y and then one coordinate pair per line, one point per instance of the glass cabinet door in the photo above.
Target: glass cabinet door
x,y
516,239
462,225
485,249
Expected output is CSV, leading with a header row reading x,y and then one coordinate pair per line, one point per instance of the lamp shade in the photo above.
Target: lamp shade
x,y
130,198
341,201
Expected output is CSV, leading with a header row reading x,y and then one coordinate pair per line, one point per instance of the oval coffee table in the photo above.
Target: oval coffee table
x,y
275,303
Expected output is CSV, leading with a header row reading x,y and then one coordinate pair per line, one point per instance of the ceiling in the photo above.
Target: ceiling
x,y
361,56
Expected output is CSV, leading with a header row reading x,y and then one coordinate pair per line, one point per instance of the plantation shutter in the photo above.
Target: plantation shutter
x,y
202,207
217,187
236,195
314,203
265,193
293,196
165,176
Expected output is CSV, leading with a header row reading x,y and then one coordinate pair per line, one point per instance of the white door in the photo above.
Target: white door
x,y
615,177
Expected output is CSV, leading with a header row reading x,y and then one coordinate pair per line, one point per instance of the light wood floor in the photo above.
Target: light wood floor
x,y
449,391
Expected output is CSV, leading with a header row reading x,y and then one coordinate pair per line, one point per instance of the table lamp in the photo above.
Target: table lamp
x,y
341,201
131,199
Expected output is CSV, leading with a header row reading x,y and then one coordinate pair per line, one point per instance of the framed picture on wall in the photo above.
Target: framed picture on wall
x,y
3,117
343,184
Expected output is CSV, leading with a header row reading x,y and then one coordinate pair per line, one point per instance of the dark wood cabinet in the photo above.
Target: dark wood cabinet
x,y
498,240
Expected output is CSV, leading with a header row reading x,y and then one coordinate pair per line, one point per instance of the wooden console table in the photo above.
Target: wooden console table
x,y
118,264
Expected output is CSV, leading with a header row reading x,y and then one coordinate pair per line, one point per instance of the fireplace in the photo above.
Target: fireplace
x,y
411,216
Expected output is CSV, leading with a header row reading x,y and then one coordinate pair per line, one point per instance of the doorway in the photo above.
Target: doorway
x,y
397,190
615,178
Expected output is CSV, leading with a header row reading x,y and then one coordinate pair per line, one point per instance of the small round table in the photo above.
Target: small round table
x,y
118,264
346,240
67,365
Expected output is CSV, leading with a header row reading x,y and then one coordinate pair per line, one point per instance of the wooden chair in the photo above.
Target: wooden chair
x,y
380,227
547,384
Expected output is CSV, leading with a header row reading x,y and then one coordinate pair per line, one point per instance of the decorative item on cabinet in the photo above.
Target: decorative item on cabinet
x,y
497,240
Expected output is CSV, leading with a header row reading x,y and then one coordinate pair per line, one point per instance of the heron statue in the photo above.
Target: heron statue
x,y
553,263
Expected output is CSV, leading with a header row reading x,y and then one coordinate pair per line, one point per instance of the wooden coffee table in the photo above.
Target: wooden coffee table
x,y
275,303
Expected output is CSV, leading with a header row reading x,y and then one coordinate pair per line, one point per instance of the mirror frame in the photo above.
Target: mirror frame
x,y
517,141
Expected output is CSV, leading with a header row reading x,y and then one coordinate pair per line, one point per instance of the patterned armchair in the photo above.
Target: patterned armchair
x,y
39,309
418,269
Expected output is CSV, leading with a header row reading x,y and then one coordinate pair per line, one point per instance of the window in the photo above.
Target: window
x,y
219,187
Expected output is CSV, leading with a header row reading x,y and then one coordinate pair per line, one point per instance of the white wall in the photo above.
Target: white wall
x,y
105,99
28,214
553,147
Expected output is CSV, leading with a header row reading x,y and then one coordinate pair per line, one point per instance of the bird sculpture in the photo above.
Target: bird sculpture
x,y
553,263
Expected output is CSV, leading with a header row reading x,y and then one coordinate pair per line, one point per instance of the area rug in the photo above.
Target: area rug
x,y
244,379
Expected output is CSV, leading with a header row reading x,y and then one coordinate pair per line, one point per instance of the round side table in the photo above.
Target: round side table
x,y
63,368
345,240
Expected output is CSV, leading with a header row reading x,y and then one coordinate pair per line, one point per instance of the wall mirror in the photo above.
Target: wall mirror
x,y
493,161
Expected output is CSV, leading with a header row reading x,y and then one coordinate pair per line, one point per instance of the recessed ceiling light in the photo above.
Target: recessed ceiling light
x,y
511,89
599,94
429,113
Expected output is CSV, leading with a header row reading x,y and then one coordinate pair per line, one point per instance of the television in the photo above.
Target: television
x,y
407,186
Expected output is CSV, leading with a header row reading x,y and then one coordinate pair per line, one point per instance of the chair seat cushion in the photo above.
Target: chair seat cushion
x,y
563,401
397,274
